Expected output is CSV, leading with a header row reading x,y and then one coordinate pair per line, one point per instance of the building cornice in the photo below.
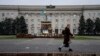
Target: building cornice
x,y
57,7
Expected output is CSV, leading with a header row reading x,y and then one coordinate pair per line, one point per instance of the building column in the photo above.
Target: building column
x,y
29,24
71,24
53,25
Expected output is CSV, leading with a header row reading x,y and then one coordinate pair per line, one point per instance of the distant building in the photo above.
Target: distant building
x,y
41,20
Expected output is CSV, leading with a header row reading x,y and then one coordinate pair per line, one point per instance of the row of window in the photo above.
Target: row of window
x,y
56,30
57,20
4,14
56,14
93,14
56,26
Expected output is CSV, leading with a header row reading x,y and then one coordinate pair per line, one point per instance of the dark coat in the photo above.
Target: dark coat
x,y
67,35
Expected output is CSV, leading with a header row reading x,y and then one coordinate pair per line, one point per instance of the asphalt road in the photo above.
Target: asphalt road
x,y
49,45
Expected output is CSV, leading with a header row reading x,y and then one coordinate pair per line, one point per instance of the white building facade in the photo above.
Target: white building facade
x,y
42,20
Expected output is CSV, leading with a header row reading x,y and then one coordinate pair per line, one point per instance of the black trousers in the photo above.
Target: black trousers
x,y
66,45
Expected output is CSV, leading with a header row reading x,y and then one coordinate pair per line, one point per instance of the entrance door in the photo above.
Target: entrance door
x,y
46,27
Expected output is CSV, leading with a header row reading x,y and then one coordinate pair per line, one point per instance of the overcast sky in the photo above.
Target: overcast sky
x,y
48,2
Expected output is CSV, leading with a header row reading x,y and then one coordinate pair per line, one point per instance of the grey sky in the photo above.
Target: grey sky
x,y
48,2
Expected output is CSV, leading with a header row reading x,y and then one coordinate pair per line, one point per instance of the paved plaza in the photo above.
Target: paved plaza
x,y
49,45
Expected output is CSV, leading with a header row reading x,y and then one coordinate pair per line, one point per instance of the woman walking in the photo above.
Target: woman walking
x,y
67,35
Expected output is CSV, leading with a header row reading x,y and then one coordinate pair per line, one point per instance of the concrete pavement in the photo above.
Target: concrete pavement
x,y
47,45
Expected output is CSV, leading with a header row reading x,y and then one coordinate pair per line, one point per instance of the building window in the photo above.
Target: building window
x,y
74,15
26,15
50,14
32,20
12,13
49,18
56,27
39,30
7,13
74,20
32,28
74,25
62,20
3,18
38,20
30,14
26,20
39,24
98,14
27,26
89,14
94,14
32,25
62,14
55,15
74,30
56,31
68,20
62,26
3,14
32,32
56,20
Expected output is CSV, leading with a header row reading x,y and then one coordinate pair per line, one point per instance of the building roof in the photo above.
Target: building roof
x,y
57,7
